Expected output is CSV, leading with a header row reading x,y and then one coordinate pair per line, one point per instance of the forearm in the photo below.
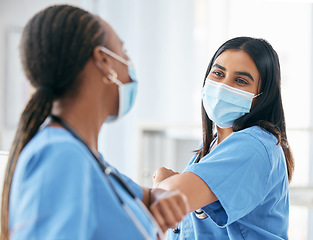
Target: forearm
x,y
193,187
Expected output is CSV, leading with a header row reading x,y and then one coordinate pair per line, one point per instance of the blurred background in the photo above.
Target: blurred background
x,y
171,43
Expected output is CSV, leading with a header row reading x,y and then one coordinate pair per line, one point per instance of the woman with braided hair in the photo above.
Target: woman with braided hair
x,y
57,185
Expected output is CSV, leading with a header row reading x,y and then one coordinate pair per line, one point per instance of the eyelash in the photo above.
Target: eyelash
x,y
238,80
218,73
241,81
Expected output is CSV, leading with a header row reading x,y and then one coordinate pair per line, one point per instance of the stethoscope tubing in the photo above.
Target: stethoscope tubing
x,y
108,171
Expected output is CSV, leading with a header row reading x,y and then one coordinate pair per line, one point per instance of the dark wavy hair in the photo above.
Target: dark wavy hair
x,y
268,112
56,44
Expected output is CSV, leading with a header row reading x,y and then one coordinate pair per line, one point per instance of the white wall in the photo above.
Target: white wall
x,y
13,16
159,38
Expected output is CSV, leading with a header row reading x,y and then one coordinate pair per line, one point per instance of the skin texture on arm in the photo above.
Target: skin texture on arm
x,y
193,187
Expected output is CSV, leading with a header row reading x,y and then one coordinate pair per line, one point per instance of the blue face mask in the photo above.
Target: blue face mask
x,y
127,91
224,104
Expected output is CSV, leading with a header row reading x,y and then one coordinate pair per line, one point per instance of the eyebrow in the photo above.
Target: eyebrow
x,y
238,73
245,74
219,66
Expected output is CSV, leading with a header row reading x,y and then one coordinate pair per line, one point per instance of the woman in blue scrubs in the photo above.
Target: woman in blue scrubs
x,y
57,185
237,183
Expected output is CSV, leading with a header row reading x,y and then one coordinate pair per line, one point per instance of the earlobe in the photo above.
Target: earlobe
x,y
112,76
106,78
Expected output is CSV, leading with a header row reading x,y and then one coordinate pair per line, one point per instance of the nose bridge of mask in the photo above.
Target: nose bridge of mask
x,y
224,104
131,71
227,88
235,97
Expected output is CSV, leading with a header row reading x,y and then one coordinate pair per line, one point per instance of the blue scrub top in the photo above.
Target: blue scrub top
x,y
59,192
248,174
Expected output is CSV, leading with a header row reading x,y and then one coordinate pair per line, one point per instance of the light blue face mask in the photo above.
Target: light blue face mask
x,y
224,104
127,91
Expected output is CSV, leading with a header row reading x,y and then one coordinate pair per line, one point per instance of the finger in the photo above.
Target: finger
x,y
177,207
158,217
183,203
165,208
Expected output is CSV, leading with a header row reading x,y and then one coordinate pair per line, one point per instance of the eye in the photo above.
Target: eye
x,y
218,73
242,81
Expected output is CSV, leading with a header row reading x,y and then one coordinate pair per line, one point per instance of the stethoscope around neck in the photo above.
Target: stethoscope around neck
x,y
107,170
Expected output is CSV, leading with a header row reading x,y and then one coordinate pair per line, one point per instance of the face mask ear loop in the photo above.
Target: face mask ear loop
x,y
110,78
104,78
258,89
113,54
257,95
113,78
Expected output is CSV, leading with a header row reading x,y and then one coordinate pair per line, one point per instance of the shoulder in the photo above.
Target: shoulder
x,y
255,137
253,142
54,141
257,140
52,137
260,134
53,162
53,150
258,137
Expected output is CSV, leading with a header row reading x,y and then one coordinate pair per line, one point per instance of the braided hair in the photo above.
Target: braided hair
x,y
55,46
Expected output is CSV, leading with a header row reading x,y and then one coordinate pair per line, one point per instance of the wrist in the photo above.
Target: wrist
x,y
154,194
156,185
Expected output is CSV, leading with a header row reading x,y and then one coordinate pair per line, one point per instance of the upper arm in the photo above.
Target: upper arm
x,y
195,189
237,172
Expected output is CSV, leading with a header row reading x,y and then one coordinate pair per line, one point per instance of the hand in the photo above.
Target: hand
x,y
168,207
160,174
